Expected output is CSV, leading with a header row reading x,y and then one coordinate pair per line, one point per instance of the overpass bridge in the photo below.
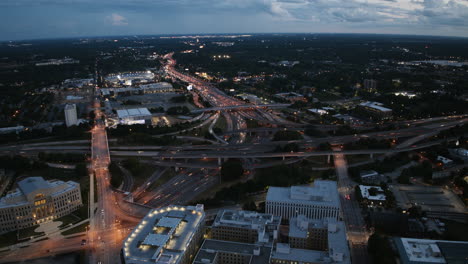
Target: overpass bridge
x,y
240,107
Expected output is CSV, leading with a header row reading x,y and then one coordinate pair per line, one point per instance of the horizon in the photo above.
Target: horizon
x,y
234,33
50,19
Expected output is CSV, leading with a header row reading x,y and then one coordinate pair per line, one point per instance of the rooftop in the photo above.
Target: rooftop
x,y
163,235
324,193
379,196
376,105
418,251
210,248
135,112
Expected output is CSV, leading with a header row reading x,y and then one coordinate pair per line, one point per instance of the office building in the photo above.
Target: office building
x,y
246,227
316,202
421,251
375,110
220,252
36,201
292,97
168,235
370,85
327,237
71,118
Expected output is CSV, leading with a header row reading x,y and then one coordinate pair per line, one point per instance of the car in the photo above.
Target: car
x,y
83,242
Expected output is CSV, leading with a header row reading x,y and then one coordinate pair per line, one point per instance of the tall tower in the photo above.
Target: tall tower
x,y
70,115
370,85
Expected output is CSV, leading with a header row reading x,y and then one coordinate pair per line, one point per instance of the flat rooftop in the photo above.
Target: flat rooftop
x,y
323,193
418,251
376,106
134,112
379,196
163,235
245,219
211,248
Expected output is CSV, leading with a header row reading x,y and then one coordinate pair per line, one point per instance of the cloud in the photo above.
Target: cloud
x,y
117,20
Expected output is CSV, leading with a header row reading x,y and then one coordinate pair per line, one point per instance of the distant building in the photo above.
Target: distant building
x,y
316,202
71,118
218,252
422,251
36,201
166,235
129,77
370,176
375,110
318,111
246,227
370,85
133,116
445,161
58,62
161,87
462,152
291,97
308,233
16,129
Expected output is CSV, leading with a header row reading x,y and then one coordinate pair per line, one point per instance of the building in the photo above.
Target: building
x,y
421,251
7,130
316,202
375,110
372,193
245,226
370,85
133,116
167,235
444,161
151,88
128,77
370,176
292,97
71,118
58,62
308,233
36,201
219,252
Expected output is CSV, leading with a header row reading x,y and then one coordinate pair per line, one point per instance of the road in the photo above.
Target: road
x,y
352,216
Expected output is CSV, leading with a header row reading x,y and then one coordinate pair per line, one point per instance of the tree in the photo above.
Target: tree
x,y
81,169
249,206
286,135
231,170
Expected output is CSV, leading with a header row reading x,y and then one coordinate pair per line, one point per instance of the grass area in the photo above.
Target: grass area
x,y
68,219
351,159
221,124
116,175
77,229
14,237
29,232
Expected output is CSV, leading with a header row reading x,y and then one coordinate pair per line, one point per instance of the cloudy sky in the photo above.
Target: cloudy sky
x,y
30,19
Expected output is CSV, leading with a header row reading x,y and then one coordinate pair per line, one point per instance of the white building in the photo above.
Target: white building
x,y
36,201
316,202
378,196
71,118
420,251
133,116
170,235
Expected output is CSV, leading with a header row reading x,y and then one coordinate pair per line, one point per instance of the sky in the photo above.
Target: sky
x,y
32,19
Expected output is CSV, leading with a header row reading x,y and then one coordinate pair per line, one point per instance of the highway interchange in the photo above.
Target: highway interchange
x,y
111,218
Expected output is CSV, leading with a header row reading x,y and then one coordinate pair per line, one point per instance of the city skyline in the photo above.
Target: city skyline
x,y
82,18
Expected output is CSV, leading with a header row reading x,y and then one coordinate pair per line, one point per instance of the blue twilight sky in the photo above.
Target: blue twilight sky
x,y
30,19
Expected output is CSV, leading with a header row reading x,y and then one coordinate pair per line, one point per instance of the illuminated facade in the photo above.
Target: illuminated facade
x,y
170,235
36,201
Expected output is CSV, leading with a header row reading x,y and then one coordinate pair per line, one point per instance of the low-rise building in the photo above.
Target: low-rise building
x,y
375,110
421,251
372,193
220,252
246,227
308,233
71,117
316,202
370,176
36,201
291,97
167,235
133,116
